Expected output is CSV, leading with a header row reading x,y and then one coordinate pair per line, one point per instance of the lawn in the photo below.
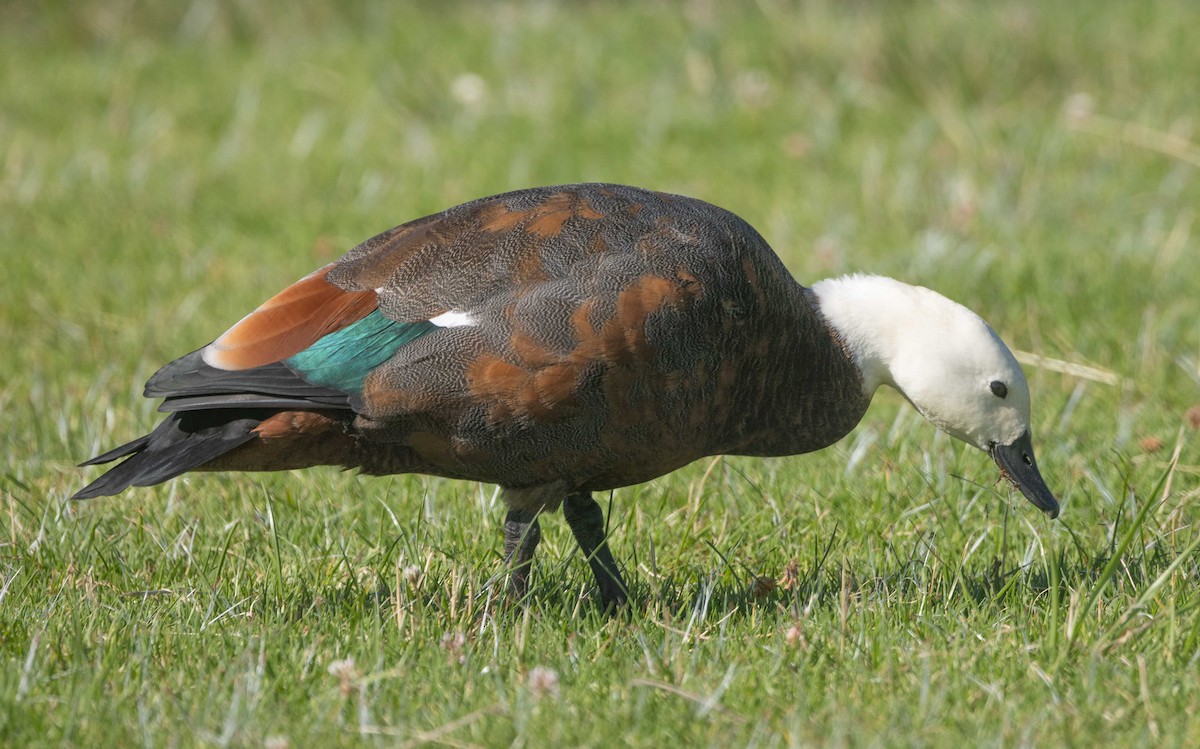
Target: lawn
x,y
165,167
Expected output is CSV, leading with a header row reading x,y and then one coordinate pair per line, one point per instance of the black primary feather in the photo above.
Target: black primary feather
x,y
190,376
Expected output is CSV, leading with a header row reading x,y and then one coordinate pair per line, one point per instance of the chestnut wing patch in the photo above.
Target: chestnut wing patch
x,y
289,322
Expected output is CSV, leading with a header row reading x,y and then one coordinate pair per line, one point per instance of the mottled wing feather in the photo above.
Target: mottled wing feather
x,y
519,265
470,255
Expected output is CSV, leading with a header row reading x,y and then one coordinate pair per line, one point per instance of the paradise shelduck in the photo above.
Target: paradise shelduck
x,y
559,341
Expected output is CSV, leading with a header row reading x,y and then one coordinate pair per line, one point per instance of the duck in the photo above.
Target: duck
x,y
566,340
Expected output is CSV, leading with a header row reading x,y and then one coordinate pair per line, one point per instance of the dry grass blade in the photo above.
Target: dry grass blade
x,y
1084,371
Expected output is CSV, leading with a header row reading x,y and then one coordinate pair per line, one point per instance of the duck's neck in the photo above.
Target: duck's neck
x,y
887,325
874,318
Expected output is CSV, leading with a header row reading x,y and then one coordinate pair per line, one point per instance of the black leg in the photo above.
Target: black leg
x,y
587,523
521,536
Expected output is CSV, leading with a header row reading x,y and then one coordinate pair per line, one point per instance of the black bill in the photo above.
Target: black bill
x,y
1018,466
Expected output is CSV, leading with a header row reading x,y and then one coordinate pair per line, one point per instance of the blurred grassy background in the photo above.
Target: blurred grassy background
x,y
164,167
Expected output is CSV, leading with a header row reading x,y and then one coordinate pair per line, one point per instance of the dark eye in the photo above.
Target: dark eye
x,y
999,389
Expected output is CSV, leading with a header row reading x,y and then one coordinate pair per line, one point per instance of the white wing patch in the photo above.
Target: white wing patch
x,y
452,319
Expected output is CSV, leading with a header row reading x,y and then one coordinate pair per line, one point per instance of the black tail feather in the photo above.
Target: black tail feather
x,y
211,411
128,448
182,442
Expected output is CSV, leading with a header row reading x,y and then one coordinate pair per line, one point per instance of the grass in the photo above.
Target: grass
x,y
166,167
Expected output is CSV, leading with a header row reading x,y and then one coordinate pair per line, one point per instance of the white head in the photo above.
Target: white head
x,y
945,360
